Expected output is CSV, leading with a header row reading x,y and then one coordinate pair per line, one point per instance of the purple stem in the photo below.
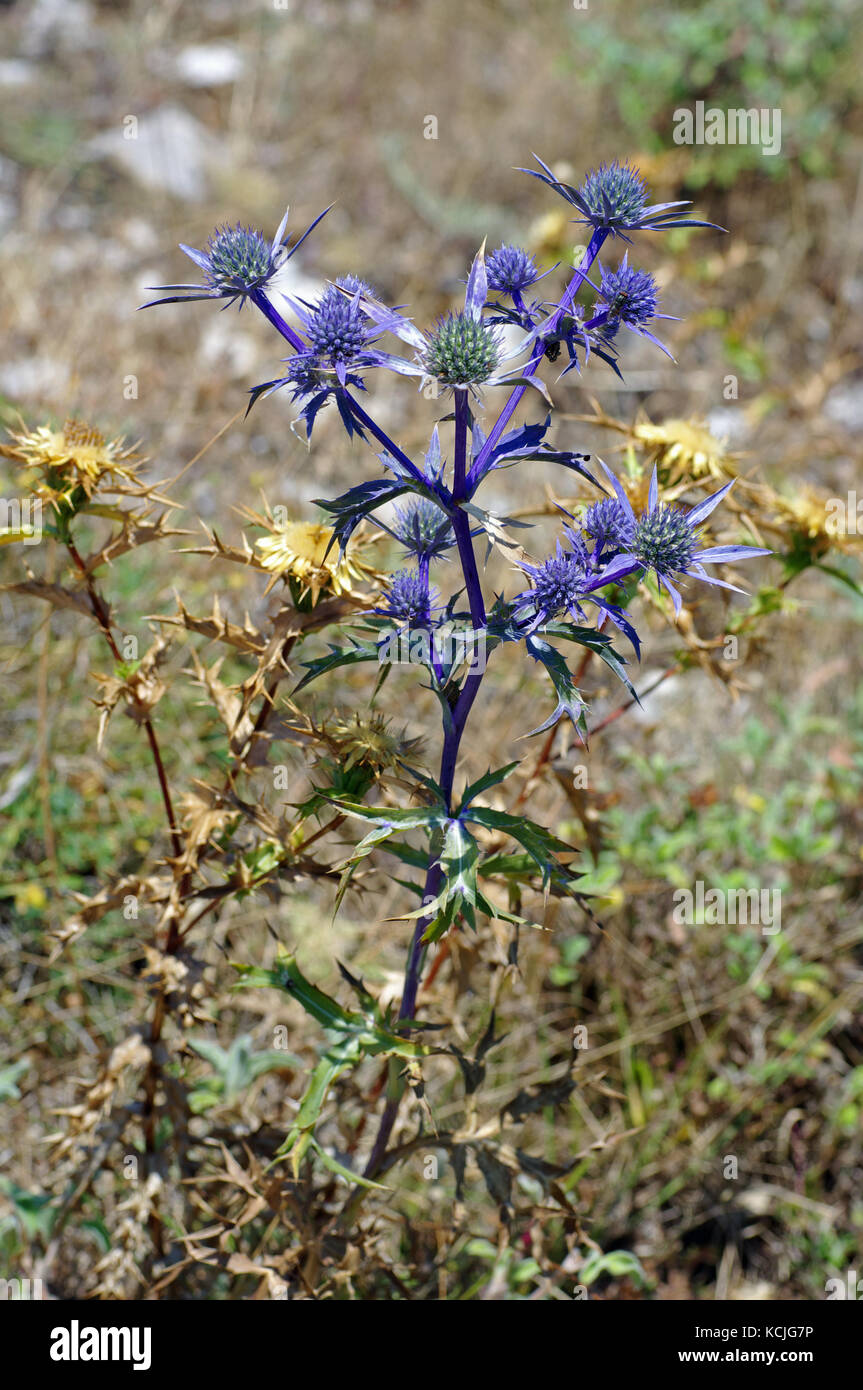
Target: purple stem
x,y
383,438
259,299
463,479
460,522
593,249
449,756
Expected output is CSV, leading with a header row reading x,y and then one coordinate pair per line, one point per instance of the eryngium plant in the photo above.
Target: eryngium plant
x,y
577,597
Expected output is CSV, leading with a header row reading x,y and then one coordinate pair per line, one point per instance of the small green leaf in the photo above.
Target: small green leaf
x,y
482,784
339,656
9,1077
339,1168
569,701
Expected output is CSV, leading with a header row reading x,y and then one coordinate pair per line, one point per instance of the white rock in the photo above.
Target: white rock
x,y
728,424
165,150
8,173
844,405
58,26
225,345
74,217
34,378
209,64
14,72
140,235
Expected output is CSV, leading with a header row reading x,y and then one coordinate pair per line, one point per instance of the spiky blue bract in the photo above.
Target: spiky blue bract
x,y
462,350
239,263
666,540
423,529
354,285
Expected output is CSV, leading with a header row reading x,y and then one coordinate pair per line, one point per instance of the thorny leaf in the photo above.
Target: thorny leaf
x,y
498,1178
496,530
245,639
239,726
135,532
55,594
547,1093
152,890
141,688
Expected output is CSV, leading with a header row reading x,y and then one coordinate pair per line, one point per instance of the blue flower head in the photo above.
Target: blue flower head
x,y
614,196
510,270
462,350
423,529
238,259
339,344
558,584
613,199
239,263
630,295
409,599
337,328
666,539
609,525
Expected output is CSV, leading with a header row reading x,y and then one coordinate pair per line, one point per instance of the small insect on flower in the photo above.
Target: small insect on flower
x,y
627,296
